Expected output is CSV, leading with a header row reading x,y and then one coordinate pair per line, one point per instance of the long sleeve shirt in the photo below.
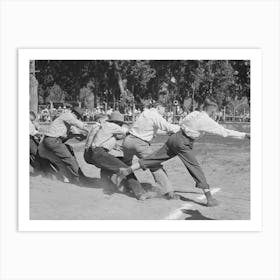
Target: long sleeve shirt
x,y
149,122
103,135
61,125
197,123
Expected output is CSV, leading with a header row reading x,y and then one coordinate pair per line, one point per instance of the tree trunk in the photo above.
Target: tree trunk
x,y
120,81
93,100
33,88
114,99
193,95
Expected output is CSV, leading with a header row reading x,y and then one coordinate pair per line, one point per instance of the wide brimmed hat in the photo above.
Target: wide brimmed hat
x,y
117,117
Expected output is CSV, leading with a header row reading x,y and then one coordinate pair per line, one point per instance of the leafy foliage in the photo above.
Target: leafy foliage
x,y
86,95
55,93
126,82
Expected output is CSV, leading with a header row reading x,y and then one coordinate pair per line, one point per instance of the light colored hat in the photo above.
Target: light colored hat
x,y
117,117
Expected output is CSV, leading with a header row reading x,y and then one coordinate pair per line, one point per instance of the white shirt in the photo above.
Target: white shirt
x,y
149,122
197,123
58,127
104,135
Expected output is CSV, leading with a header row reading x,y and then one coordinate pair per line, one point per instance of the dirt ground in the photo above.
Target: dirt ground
x,y
226,163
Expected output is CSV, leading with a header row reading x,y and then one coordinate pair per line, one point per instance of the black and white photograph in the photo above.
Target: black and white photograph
x,y
140,139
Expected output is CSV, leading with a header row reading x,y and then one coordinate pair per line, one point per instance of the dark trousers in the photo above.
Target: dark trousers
x,y
37,162
110,165
177,145
58,153
33,153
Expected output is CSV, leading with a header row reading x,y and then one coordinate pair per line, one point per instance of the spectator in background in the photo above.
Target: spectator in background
x,y
109,111
45,115
86,115
53,113
98,110
137,112
219,116
170,117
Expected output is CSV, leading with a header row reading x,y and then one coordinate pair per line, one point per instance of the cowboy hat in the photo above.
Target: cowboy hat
x,y
117,117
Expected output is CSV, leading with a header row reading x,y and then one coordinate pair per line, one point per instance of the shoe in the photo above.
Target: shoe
x,y
211,201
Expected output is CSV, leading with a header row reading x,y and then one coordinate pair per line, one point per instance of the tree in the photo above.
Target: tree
x,y
33,88
55,94
87,95
214,79
243,74
129,81
133,75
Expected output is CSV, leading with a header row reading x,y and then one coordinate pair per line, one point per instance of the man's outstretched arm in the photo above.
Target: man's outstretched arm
x,y
211,126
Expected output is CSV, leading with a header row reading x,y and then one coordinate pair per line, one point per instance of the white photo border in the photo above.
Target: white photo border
x,y
255,222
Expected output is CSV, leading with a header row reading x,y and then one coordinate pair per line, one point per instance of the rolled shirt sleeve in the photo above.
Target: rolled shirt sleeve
x,y
72,120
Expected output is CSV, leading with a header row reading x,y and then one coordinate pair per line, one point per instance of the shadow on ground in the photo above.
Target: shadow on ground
x,y
195,215
192,200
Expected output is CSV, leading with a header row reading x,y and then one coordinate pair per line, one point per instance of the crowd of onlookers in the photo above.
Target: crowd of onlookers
x,y
130,115
49,114
175,116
